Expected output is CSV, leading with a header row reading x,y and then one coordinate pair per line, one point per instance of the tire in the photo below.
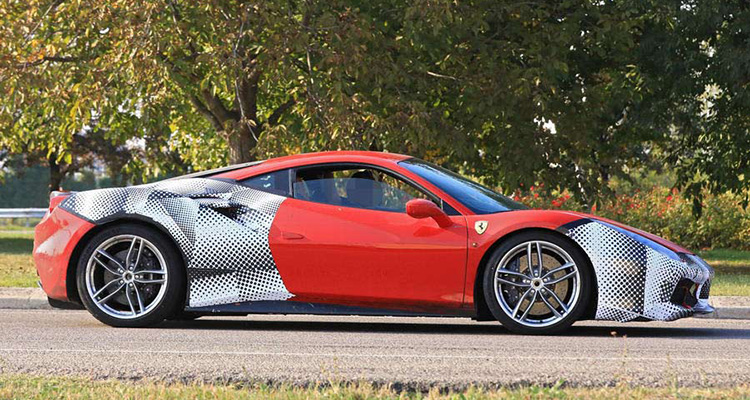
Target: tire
x,y
126,295
529,301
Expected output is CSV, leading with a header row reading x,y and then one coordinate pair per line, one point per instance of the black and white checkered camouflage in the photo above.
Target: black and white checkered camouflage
x,y
221,227
635,276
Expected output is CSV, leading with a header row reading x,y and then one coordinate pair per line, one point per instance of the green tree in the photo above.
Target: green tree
x,y
709,97
203,74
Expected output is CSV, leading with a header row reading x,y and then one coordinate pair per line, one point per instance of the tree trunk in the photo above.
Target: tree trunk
x,y
55,173
241,143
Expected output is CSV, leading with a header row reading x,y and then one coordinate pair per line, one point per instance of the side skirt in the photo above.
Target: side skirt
x,y
296,307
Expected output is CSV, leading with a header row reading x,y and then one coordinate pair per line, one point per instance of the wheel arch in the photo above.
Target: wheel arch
x,y
480,305
71,284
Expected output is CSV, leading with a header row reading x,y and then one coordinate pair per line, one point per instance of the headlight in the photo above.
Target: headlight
x,y
705,268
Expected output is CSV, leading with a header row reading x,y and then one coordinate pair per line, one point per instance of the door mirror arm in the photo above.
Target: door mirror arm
x,y
421,208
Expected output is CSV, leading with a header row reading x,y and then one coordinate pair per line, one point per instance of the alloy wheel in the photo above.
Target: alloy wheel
x,y
126,276
537,284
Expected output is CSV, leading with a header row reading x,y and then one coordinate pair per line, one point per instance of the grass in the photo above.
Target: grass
x,y
27,387
732,272
18,224
17,268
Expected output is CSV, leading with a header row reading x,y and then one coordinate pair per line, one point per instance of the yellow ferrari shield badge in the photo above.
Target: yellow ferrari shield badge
x,y
480,226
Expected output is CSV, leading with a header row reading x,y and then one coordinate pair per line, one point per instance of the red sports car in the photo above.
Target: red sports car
x,y
352,233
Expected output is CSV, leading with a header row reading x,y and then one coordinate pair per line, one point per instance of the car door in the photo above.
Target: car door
x,y
345,238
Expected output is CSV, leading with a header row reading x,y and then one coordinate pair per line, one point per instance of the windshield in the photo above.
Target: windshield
x,y
477,198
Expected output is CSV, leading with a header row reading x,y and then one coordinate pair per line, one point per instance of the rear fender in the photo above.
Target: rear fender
x,y
55,240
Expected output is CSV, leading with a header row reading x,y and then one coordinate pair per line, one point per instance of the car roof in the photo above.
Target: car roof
x,y
371,157
215,171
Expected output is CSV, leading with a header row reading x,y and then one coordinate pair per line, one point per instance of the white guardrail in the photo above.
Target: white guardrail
x,y
22,212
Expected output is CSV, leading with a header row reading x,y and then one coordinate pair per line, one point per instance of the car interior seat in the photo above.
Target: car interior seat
x,y
362,190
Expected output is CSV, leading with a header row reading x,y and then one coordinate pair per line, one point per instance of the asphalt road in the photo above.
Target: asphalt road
x,y
410,352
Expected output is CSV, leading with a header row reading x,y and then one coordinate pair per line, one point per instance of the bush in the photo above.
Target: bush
x,y
664,212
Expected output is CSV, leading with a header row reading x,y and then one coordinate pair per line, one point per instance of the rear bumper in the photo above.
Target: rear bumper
x,y
55,239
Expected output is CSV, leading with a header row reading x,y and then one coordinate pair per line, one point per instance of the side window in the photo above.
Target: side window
x,y
354,187
396,193
275,182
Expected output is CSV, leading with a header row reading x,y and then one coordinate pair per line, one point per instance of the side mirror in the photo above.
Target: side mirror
x,y
421,208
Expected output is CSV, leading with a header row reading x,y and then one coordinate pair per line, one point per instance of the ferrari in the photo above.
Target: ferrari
x,y
352,233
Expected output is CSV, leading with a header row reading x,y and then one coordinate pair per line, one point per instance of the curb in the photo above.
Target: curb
x,y
23,299
727,307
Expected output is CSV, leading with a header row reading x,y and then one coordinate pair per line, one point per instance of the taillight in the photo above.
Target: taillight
x,y
55,198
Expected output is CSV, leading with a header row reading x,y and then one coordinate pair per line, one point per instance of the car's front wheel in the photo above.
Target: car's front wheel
x,y
537,283
130,276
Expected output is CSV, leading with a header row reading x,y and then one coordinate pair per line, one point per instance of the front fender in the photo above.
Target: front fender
x,y
499,226
637,277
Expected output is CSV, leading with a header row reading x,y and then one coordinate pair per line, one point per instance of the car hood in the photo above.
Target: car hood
x,y
650,236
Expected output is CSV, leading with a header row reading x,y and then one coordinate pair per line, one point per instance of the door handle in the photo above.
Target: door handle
x,y
292,236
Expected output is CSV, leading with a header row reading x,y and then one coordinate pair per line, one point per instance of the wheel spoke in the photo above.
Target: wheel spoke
x,y
531,305
98,292
551,308
557,299
512,273
138,255
130,302
539,256
529,259
109,296
147,281
520,300
107,267
507,282
138,297
558,269
110,258
562,278
152,271
128,257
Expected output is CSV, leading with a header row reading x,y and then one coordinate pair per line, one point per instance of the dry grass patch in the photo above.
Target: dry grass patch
x,y
26,387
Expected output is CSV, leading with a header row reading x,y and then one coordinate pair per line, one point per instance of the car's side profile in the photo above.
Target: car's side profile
x,y
353,233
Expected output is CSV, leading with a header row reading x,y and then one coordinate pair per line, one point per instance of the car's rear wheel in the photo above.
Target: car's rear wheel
x,y
537,283
130,276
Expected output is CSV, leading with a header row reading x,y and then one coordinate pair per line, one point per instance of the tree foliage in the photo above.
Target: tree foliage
x,y
568,92
710,101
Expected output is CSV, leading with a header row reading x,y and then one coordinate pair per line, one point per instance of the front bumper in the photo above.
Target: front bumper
x,y
639,279
693,290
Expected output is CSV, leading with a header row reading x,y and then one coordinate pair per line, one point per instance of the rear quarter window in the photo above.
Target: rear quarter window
x,y
276,182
